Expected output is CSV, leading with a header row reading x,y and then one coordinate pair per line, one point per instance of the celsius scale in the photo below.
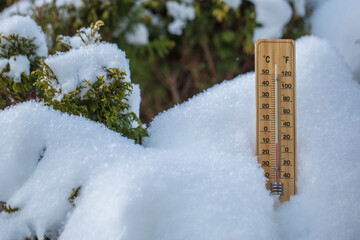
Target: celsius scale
x,y
276,114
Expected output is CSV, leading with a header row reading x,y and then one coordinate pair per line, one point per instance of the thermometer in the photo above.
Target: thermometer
x,y
276,114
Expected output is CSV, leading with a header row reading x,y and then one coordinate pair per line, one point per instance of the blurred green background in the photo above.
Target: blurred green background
x,y
215,45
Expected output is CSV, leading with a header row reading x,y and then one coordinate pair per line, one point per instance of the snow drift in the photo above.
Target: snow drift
x,y
27,28
338,21
197,176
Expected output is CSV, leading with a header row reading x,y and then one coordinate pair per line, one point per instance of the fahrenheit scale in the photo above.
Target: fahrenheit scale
x,y
276,114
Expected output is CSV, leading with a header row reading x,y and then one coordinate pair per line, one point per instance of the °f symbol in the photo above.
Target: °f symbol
x,y
287,58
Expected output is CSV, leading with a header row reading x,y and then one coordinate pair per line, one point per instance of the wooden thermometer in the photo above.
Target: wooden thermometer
x,y
276,114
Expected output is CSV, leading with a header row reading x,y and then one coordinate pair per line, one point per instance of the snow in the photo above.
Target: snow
x,y
26,7
3,63
234,4
18,65
134,100
181,12
82,38
75,3
86,63
197,176
27,28
139,36
337,21
273,15
74,152
300,7
73,42
328,205
146,187
316,3
23,7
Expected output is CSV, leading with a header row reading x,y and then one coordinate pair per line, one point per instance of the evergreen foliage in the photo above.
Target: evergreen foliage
x,y
74,195
93,36
12,91
216,45
86,37
5,3
103,101
36,238
8,209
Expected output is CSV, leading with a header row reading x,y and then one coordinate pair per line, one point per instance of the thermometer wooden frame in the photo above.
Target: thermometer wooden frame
x,y
275,75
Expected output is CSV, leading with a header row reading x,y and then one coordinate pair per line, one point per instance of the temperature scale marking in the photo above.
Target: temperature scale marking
x,y
276,114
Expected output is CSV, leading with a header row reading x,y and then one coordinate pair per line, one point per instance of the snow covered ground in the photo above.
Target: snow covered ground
x,y
338,21
197,176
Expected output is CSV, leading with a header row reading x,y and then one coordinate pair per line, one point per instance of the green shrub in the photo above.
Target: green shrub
x,y
74,195
8,209
104,101
17,90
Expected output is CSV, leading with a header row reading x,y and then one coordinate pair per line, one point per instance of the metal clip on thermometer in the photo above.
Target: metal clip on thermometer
x,y
276,114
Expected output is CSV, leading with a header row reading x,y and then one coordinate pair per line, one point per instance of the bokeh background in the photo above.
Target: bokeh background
x,y
179,48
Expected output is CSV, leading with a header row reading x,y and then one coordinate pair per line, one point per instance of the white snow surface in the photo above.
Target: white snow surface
x,y
26,7
86,63
18,65
234,4
3,63
22,7
300,7
134,100
25,27
337,21
181,12
273,15
82,38
139,35
74,41
315,3
75,3
197,176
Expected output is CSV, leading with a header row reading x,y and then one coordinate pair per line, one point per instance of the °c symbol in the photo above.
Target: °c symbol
x,y
267,59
